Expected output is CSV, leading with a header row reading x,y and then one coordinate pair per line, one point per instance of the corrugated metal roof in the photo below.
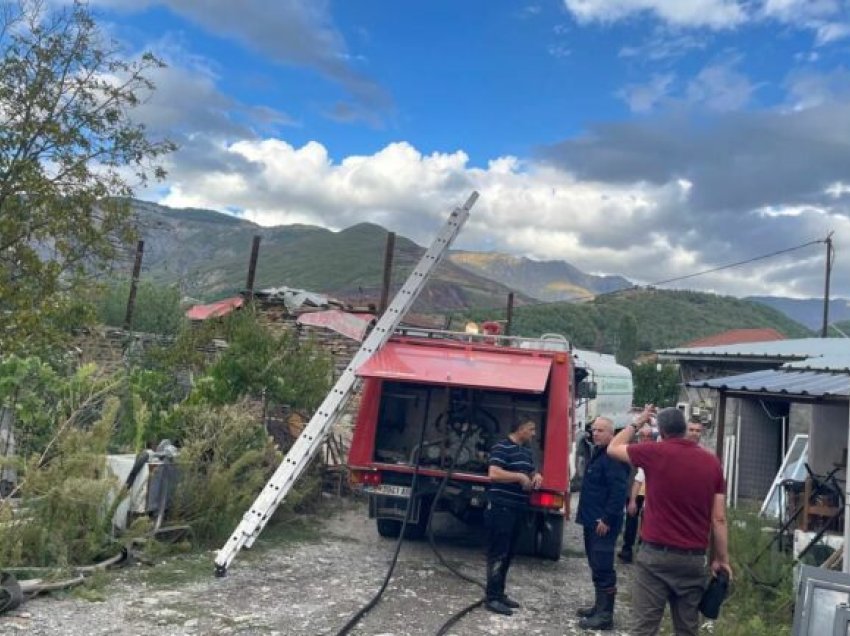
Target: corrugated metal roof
x,y
798,349
349,324
829,362
782,382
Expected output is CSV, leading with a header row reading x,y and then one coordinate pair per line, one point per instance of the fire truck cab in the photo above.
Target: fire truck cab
x,y
436,402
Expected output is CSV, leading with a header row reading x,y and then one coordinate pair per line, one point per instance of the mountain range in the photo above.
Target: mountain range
x,y
206,254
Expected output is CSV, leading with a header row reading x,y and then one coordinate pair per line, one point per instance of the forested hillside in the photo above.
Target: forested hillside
x,y
662,319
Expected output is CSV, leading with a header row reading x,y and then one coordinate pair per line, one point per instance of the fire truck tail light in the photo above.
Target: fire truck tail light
x,y
365,477
547,500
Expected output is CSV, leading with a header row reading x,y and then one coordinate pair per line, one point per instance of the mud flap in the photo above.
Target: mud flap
x,y
381,507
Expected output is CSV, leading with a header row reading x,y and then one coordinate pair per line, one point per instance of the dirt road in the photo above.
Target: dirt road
x,y
311,586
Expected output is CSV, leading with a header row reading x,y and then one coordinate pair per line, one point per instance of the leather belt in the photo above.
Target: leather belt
x,y
660,547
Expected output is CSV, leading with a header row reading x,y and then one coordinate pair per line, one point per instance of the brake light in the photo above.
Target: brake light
x,y
365,477
547,500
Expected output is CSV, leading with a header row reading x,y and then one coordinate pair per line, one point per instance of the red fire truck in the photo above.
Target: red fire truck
x,y
436,402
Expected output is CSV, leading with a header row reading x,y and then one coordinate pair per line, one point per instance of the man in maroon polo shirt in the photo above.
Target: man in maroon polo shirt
x,y
685,511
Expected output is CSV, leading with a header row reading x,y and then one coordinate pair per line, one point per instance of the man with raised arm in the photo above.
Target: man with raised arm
x,y
684,514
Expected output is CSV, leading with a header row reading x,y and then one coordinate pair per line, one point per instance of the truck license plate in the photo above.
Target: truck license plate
x,y
390,490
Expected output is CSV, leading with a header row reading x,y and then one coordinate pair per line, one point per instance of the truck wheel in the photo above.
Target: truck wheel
x,y
550,538
389,528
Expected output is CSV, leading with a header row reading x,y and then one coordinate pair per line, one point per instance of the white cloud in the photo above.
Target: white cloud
x,y
291,32
809,89
721,88
831,32
715,14
645,231
800,10
828,19
642,98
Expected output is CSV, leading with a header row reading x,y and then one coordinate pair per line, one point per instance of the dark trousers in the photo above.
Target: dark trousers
x,y
503,524
600,557
631,526
662,578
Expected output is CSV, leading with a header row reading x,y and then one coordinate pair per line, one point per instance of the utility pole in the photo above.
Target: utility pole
x,y
510,314
134,283
252,268
829,259
388,272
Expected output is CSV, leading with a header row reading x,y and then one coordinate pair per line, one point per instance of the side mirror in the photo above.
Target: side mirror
x,y
586,390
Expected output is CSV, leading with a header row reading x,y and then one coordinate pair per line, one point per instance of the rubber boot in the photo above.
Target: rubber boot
x,y
587,612
604,617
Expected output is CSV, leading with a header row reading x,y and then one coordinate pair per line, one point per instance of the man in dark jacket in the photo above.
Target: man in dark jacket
x,y
600,512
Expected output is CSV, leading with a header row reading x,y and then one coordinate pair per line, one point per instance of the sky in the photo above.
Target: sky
x,y
648,138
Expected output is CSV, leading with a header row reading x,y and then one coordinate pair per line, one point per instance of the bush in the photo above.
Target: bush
x,y
157,308
761,598
63,516
225,461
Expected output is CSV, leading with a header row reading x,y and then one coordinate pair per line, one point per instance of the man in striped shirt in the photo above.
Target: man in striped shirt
x,y
512,477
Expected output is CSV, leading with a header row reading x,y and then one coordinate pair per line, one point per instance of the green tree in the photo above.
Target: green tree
x,y
260,364
627,335
70,156
157,307
654,385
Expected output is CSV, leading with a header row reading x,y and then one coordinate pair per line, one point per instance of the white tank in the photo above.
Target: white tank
x,y
614,388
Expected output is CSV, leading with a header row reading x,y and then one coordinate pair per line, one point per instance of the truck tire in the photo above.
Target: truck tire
x,y
389,528
550,537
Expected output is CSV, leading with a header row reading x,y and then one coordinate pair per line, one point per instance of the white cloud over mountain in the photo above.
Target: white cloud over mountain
x,y
647,231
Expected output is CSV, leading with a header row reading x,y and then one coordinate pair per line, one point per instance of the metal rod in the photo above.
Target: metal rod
x,y
134,283
252,267
388,272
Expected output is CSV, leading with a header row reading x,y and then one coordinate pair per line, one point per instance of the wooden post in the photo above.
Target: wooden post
x,y
388,272
721,426
252,268
829,254
510,314
134,283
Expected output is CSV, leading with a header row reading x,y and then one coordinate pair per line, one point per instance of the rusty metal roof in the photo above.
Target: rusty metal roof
x,y
214,310
349,324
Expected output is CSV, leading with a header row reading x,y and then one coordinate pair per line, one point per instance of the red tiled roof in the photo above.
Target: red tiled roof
x,y
735,336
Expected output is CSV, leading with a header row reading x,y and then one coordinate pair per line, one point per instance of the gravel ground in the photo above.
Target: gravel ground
x,y
312,586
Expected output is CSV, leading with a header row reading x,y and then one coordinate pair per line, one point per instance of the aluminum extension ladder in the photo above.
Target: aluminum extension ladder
x,y
311,438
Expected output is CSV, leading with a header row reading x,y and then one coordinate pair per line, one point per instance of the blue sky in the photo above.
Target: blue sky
x,y
651,138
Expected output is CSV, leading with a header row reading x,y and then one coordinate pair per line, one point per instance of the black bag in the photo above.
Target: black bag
x,y
714,595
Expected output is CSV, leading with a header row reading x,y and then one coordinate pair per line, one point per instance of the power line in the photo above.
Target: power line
x,y
738,263
671,280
